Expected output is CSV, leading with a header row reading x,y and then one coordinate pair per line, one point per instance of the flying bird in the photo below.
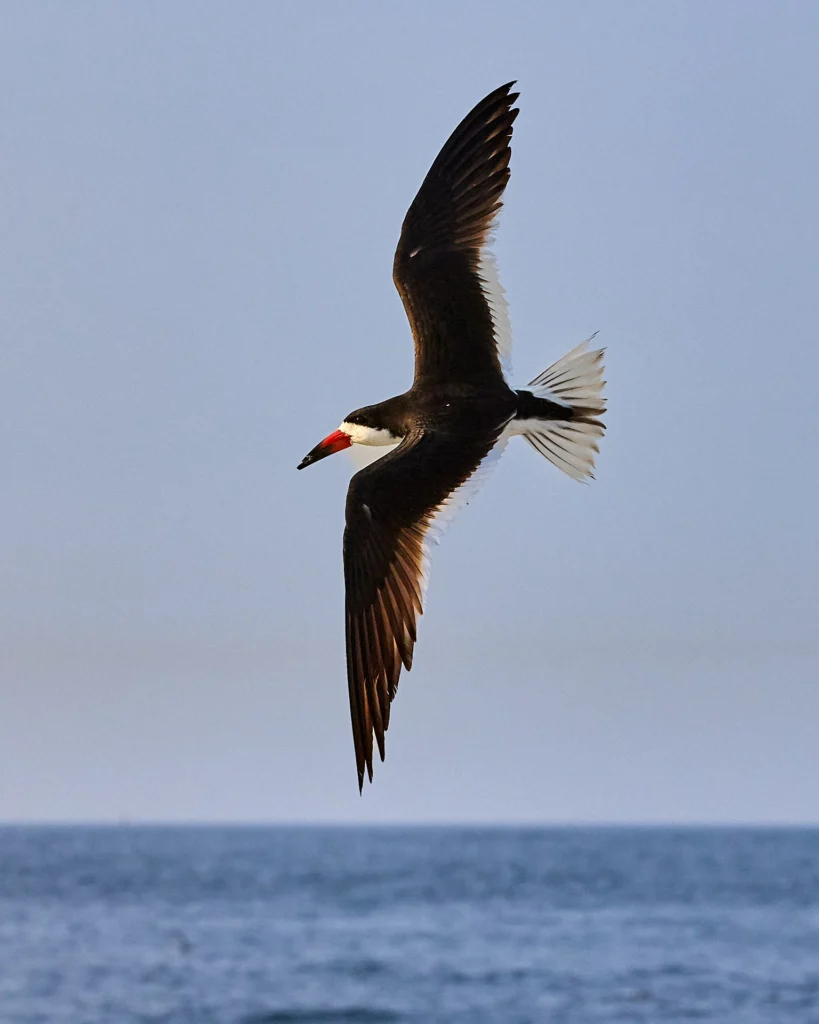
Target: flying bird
x,y
454,420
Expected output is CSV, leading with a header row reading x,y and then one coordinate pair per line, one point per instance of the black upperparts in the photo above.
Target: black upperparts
x,y
392,415
441,268
531,407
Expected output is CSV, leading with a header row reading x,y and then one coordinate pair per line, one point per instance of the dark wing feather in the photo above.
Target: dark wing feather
x,y
391,506
439,270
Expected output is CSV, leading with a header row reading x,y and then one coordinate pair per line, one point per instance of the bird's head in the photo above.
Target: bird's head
x,y
368,426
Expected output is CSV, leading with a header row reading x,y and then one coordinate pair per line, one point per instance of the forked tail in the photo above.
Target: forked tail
x,y
559,412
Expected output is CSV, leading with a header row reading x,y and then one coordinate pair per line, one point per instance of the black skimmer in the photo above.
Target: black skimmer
x,y
456,417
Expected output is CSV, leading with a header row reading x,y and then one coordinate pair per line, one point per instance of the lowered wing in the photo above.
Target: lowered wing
x,y
391,508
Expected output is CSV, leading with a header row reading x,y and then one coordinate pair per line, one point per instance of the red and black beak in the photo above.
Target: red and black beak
x,y
331,444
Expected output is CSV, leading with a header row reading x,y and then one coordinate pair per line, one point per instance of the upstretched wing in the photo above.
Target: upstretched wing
x,y
443,269
391,508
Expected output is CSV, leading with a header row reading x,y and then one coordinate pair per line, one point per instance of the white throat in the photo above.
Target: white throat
x,y
359,434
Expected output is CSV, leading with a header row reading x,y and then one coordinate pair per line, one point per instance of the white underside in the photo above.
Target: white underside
x,y
369,444
362,455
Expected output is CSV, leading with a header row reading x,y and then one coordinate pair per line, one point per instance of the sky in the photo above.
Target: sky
x,y
199,206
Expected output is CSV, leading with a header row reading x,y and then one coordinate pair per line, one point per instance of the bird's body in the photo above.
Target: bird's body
x,y
454,419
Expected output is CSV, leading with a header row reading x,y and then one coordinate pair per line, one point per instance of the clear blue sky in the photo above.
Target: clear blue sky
x,y
199,206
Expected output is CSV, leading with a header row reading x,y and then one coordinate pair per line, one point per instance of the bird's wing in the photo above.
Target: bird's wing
x,y
443,269
393,510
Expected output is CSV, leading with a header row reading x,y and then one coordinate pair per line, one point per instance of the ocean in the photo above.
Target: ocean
x,y
258,925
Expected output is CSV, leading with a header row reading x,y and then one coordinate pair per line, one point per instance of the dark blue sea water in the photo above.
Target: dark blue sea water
x,y
273,925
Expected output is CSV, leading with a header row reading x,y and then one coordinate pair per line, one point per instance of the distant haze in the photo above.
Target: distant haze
x,y
199,209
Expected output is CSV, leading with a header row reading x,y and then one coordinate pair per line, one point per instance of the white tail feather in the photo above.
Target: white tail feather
x,y
569,444
575,381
